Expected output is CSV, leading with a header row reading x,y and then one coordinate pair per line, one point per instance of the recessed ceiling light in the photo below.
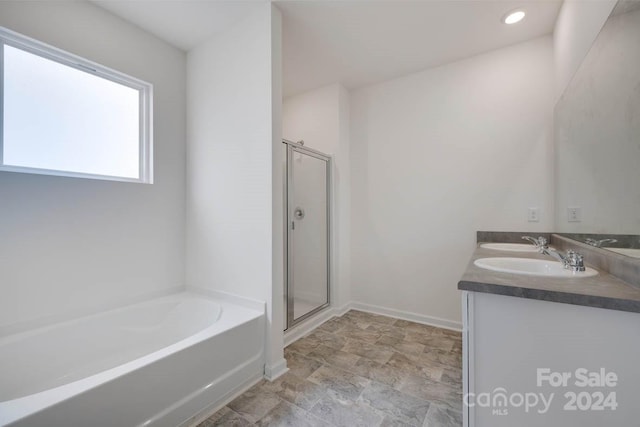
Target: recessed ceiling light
x,y
513,17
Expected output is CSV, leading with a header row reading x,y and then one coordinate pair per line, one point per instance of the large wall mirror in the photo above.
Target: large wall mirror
x,y
597,140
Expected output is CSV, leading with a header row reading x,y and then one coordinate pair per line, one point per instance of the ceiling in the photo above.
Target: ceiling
x,y
183,23
356,42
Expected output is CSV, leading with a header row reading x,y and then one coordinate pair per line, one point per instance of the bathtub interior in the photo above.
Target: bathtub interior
x,y
49,357
44,367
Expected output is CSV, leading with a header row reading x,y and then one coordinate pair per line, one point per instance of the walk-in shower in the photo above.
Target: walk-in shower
x,y
308,207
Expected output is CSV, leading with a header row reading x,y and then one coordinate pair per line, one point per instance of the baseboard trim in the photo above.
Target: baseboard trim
x,y
340,311
275,370
305,328
407,315
294,334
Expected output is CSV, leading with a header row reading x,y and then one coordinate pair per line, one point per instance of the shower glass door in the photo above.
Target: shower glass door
x,y
308,233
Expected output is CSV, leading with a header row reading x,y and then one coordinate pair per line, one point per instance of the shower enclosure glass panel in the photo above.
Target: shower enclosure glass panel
x,y
308,233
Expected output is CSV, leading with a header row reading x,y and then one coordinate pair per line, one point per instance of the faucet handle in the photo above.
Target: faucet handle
x,y
575,261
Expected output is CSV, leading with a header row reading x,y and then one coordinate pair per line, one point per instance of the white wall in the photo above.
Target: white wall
x,y
70,246
438,155
230,132
276,364
321,118
577,26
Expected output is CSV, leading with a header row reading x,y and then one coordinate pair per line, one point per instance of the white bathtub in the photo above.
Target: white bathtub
x,y
156,363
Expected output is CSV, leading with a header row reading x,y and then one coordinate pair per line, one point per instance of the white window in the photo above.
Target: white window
x,y
64,115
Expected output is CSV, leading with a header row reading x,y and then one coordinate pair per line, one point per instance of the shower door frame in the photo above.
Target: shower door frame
x,y
295,147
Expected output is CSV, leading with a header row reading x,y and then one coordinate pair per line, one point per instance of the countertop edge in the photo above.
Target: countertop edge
x,y
552,296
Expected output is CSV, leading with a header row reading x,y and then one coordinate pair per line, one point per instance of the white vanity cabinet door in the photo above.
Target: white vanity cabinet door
x,y
507,339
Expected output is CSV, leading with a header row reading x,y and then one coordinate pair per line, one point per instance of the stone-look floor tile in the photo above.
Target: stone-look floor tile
x,y
453,334
443,416
333,357
434,372
414,327
254,403
330,340
416,360
401,346
419,337
289,353
438,342
356,319
409,409
304,345
364,319
394,422
404,362
346,413
445,358
452,377
287,415
226,417
345,384
314,392
375,318
367,350
433,391
410,366
356,315
300,365
356,333
296,390
457,347
431,340
334,325
385,374
386,330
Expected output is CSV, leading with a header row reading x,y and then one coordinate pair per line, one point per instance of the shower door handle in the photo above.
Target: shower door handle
x,y
298,213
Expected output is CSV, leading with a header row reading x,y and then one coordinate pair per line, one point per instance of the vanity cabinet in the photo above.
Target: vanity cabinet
x,y
530,362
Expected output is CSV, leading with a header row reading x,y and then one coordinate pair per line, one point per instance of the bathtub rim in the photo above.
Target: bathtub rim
x,y
232,315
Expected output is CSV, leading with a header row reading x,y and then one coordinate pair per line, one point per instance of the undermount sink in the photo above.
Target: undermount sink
x,y
510,247
531,267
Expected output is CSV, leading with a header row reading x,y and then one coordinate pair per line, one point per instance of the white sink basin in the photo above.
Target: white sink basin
x,y
531,267
510,247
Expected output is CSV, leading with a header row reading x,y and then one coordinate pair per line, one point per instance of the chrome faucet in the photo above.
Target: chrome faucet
x,y
571,261
538,242
599,243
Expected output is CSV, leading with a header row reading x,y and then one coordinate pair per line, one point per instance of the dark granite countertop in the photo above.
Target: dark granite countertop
x,y
602,291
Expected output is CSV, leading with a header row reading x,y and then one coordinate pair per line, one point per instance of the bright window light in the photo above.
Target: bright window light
x,y
63,115
513,17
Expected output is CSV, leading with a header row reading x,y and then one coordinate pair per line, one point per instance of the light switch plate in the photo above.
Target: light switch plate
x,y
533,215
574,214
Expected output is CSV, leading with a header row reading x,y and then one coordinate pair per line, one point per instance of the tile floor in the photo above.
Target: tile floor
x,y
359,370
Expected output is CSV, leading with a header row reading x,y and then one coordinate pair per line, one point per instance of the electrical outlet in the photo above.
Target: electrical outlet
x,y
533,215
574,214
